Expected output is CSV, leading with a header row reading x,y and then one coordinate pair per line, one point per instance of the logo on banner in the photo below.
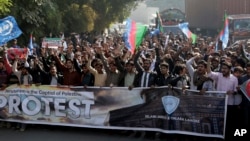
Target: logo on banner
x,y
6,28
170,103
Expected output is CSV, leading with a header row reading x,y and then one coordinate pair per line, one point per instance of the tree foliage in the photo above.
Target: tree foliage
x,y
79,18
42,17
4,6
109,11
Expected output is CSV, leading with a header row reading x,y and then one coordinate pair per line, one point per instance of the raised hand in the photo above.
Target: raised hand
x,y
54,52
98,50
117,51
209,58
36,61
88,49
17,58
105,47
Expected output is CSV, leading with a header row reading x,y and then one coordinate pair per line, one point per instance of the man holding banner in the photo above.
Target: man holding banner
x,y
5,72
225,81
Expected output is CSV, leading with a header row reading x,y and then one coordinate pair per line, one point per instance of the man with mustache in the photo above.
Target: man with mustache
x,y
225,81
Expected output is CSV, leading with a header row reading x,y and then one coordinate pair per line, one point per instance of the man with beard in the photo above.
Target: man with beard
x,y
25,78
197,76
5,72
22,74
97,70
51,77
87,78
70,76
145,77
110,68
215,64
225,81
128,73
33,69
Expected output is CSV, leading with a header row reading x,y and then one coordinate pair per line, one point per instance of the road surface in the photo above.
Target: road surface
x,y
61,133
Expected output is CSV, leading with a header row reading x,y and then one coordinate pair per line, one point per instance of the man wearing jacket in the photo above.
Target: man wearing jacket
x,y
145,77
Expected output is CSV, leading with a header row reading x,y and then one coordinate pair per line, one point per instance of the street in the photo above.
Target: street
x,y
62,133
54,133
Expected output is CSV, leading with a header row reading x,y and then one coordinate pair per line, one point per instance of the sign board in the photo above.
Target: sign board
x,y
52,42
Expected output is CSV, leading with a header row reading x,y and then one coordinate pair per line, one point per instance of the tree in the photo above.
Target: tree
x,y
42,17
109,11
79,18
53,18
4,6
31,17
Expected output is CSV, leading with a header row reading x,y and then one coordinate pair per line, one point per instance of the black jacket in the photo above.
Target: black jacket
x,y
138,77
47,77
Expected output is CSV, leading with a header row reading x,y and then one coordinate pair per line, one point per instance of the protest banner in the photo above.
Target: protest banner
x,y
21,53
52,42
158,109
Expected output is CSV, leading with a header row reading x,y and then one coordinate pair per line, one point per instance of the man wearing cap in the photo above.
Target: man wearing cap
x,y
225,81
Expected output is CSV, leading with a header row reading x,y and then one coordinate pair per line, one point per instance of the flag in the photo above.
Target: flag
x,y
187,32
8,30
245,88
20,52
62,36
224,33
133,34
166,42
158,25
159,22
64,44
31,45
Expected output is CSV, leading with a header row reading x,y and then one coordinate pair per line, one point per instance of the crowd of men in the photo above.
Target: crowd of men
x,y
106,62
